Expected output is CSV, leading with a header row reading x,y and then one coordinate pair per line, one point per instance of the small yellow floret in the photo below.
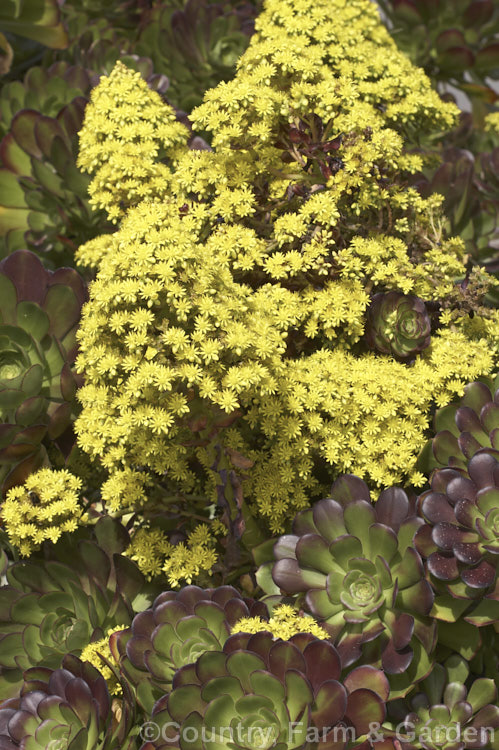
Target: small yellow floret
x,y
97,653
284,623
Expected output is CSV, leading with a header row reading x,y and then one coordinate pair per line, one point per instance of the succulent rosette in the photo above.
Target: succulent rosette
x,y
259,692
398,324
175,631
39,315
466,427
353,565
53,607
64,709
447,713
461,538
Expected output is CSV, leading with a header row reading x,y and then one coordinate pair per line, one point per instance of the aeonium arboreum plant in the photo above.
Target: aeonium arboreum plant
x,y
464,427
449,710
353,565
398,324
261,692
39,314
460,539
68,708
51,607
176,630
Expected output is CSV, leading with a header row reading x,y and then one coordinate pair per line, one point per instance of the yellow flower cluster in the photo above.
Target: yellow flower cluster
x,y
229,308
284,623
184,561
100,656
129,129
492,122
42,509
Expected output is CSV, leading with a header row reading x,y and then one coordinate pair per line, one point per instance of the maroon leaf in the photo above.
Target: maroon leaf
x,y
349,487
468,444
323,663
446,535
448,39
396,662
284,656
288,575
435,507
487,59
460,488
478,13
402,631
392,507
365,708
23,131
423,541
330,704
27,273
469,554
328,519
481,469
368,677
456,59
442,567
480,577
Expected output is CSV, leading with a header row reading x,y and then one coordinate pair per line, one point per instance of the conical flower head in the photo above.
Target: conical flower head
x,y
449,713
61,709
53,607
259,692
398,324
352,565
39,315
175,631
461,537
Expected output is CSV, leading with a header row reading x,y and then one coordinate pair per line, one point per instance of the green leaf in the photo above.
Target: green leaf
x,y
32,381
183,700
264,579
460,637
483,691
11,192
32,319
448,609
485,613
26,610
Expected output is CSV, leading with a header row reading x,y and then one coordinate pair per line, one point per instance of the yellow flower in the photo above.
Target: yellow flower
x,y
43,508
284,623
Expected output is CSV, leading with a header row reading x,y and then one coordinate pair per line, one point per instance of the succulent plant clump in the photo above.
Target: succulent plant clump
x,y
39,314
175,631
398,324
449,711
353,565
50,608
461,536
258,692
196,45
465,427
65,708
